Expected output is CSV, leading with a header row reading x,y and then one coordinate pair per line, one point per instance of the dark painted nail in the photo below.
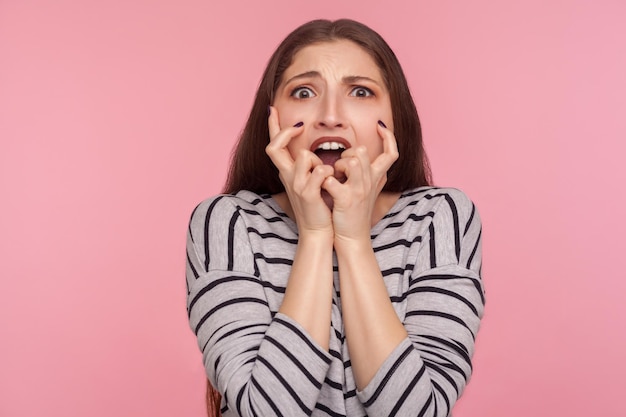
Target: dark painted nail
x,y
380,122
298,124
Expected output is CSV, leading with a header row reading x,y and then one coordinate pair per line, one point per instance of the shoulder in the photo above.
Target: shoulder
x,y
447,207
431,200
225,208
223,205
227,204
436,195
454,227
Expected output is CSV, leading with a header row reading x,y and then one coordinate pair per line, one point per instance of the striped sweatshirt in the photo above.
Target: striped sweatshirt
x,y
239,254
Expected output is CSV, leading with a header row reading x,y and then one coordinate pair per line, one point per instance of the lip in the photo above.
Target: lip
x,y
324,139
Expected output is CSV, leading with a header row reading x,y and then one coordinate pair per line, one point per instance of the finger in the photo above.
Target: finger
x,y
348,153
363,157
390,150
281,137
309,174
342,168
280,155
355,176
305,162
273,123
313,186
362,165
334,187
276,149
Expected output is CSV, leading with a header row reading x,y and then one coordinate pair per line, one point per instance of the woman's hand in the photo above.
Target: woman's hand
x,y
354,200
308,295
302,177
372,327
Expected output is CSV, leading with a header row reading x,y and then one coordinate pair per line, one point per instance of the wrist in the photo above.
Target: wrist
x,y
316,235
352,246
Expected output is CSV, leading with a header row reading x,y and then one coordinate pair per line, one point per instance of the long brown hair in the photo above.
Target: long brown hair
x,y
251,169
213,401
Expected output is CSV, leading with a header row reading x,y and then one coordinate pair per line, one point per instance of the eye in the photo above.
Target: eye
x,y
361,92
302,93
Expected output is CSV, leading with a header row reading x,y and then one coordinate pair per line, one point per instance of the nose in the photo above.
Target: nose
x,y
330,113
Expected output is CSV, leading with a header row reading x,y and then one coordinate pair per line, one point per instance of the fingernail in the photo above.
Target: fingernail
x,y
380,122
298,124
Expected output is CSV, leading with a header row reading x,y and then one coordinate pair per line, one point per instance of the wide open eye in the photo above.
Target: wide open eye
x,y
361,92
302,93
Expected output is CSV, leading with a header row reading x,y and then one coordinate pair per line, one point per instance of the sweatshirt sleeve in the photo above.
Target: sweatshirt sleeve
x,y
427,372
262,362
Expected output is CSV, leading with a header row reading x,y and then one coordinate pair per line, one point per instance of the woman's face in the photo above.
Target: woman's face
x,y
337,91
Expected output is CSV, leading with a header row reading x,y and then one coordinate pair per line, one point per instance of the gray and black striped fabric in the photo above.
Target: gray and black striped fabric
x,y
239,253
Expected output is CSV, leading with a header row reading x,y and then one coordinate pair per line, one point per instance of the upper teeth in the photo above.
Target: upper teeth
x,y
327,146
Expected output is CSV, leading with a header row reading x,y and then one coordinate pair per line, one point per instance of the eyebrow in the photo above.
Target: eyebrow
x,y
355,79
308,74
350,79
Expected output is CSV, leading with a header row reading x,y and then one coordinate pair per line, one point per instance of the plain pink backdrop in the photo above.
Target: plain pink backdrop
x,y
117,117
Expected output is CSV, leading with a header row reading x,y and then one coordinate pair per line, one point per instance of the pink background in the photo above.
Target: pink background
x,y
117,117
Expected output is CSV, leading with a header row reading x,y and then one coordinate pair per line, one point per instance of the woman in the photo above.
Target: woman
x,y
330,278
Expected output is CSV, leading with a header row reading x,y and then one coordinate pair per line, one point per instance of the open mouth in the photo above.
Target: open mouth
x,y
330,152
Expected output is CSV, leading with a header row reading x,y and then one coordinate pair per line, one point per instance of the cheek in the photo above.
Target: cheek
x,y
290,113
286,117
285,112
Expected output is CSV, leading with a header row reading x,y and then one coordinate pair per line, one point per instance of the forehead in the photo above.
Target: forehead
x,y
343,57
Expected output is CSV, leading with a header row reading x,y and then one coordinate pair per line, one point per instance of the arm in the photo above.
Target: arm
x,y
444,300
243,346
373,329
264,365
419,364
308,297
